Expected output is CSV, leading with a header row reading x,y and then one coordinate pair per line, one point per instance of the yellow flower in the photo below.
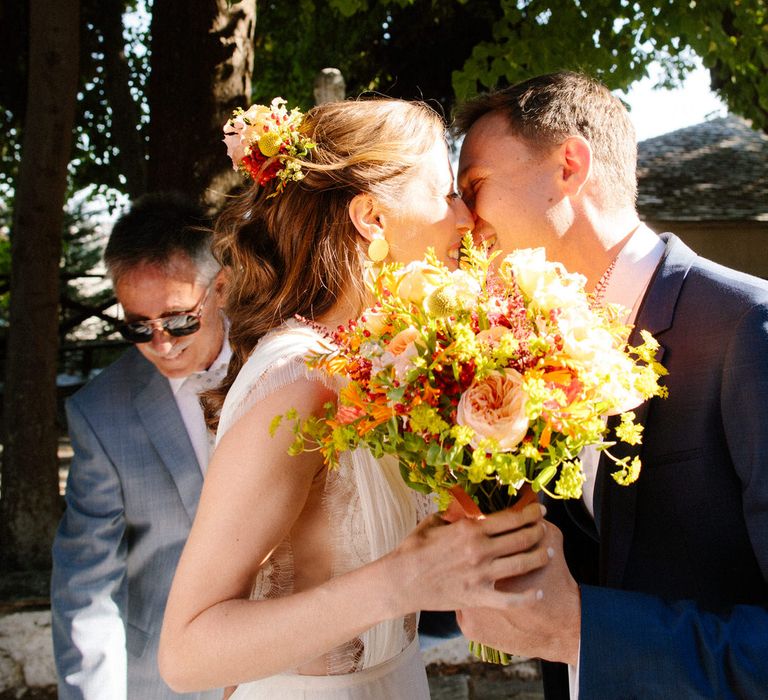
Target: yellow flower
x,y
269,143
628,471
628,430
442,302
571,480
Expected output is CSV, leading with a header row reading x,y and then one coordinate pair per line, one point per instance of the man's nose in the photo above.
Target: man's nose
x,y
465,221
161,341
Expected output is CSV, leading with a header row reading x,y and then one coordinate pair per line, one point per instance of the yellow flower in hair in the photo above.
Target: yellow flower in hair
x,y
269,143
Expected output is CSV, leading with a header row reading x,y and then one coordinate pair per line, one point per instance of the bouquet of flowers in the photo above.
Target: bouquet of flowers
x,y
481,380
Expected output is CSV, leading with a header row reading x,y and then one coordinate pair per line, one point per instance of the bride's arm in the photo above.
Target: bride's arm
x,y
213,636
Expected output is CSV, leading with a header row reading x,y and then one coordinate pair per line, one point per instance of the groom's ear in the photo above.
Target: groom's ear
x,y
576,163
365,215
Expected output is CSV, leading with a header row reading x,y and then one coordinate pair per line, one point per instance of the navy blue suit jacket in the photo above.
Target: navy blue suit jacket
x,y
674,580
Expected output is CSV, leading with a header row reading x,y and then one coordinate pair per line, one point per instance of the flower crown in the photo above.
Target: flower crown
x,y
265,143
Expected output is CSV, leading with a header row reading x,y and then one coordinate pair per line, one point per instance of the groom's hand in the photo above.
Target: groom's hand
x,y
547,626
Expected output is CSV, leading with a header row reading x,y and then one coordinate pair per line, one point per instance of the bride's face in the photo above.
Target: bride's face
x,y
429,212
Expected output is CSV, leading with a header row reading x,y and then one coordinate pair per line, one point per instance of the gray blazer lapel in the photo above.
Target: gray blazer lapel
x,y
165,428
616,505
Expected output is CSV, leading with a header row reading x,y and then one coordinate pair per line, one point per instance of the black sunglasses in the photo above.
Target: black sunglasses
x,y
177,325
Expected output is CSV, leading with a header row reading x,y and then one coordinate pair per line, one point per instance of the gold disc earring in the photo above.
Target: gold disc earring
x,y
378,249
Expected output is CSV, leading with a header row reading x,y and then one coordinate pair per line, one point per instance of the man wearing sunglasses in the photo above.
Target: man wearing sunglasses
x,y
140,452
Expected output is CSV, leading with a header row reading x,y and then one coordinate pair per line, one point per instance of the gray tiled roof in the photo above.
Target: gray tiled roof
x,y
714,171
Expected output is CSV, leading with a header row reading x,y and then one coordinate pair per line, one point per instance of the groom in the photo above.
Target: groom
x,y
668,585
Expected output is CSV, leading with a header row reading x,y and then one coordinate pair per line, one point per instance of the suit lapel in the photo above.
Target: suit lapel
x,y
615,504
165,429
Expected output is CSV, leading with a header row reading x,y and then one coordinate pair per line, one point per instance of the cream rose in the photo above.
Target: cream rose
x,y
418,280
467,287
255,120
548,284
374,322
494,407
583,339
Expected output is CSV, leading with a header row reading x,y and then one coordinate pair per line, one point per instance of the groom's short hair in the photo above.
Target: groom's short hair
x,y
545,110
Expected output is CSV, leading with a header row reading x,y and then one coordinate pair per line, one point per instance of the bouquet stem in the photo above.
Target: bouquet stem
x,y
489,654
470,509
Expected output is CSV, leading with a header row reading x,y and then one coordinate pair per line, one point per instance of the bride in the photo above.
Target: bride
x,y
297,582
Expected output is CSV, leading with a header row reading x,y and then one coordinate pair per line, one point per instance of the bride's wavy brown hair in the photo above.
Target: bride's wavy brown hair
x,y
299,252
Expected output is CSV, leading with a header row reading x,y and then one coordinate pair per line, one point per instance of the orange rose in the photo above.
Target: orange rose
x,y
494,407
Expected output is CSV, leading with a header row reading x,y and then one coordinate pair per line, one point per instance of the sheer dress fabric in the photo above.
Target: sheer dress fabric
x,y
369,510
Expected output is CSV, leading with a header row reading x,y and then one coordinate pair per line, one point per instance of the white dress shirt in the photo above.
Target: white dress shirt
x,y
187,390
632,273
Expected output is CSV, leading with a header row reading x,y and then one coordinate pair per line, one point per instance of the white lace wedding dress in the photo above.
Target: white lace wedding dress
x,y
369,510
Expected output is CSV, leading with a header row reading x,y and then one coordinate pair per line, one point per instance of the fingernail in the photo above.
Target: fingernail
x,y
539,594
543,510
550,552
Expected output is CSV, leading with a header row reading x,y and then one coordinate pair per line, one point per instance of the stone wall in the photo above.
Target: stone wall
x,y
26,652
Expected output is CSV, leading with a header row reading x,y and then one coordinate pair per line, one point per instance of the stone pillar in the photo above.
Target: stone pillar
x,y
329,86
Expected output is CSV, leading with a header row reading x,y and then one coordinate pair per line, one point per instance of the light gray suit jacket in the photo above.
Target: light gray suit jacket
x,y
132,493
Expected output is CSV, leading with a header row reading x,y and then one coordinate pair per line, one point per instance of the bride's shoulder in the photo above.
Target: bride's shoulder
x,y
278,361
293,338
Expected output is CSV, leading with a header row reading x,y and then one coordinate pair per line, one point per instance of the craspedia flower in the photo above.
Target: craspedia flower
x,y
269,144
441,303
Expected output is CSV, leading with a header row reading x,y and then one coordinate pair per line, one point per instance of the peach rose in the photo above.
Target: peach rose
x,y
493,335
399,352
401,341
494,407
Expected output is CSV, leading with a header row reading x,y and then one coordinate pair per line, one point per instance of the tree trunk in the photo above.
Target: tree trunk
x,y
202,62
29,499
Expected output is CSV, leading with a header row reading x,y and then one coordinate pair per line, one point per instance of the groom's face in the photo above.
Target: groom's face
x,y
510,188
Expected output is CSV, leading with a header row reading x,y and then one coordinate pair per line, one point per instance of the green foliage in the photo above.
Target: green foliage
x,y
402,48
616,40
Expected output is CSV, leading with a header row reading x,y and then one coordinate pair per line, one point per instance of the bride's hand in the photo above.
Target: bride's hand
x,y
446,566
